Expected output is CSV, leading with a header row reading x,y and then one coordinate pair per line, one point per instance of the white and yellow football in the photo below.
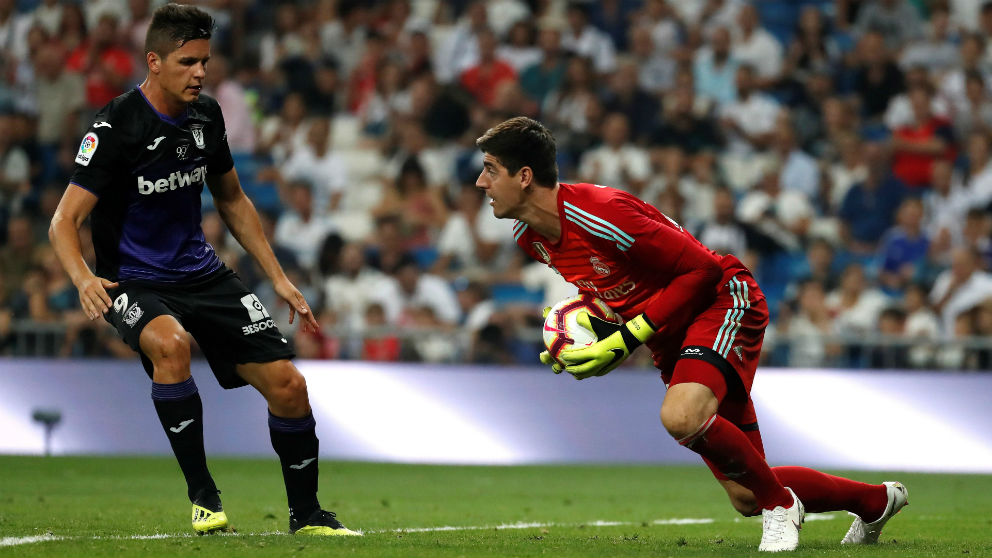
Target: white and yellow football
x,y
563,332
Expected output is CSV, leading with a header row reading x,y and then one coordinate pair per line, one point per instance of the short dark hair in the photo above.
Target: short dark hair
x,y
523,142
174,25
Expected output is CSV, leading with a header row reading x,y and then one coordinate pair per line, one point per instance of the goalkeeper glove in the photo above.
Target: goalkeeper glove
x,y
616,342
545,356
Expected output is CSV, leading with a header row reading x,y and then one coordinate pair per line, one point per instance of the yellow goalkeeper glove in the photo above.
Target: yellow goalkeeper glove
x,y
616,342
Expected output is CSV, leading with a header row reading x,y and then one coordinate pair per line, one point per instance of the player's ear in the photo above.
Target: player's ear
x,y
526,177
154,62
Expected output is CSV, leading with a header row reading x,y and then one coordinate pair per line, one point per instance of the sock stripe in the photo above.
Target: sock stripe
x,y
173,392
302,424
688,440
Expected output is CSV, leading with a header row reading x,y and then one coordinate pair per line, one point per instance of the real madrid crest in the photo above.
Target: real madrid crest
x,y
197,130
598,266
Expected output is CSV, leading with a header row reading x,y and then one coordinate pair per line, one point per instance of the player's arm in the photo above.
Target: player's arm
x,y
695,274
75,205
238,212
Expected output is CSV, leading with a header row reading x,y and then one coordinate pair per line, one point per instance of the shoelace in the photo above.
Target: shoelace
x,y
774,524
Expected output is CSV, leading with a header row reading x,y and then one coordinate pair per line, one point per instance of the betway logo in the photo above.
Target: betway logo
x,y
176,180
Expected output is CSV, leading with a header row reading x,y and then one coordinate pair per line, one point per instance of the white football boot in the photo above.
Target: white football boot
x,y
867,533
780,526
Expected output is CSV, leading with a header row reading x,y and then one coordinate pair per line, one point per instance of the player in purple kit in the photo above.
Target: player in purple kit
x,y
139,172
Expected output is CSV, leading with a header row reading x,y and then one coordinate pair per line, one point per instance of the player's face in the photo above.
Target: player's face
x,y
505,192
183,70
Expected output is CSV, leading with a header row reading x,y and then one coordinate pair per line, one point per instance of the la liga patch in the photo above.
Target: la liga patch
x,y
87,148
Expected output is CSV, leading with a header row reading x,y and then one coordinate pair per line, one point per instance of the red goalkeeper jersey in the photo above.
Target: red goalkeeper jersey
x,y
637,259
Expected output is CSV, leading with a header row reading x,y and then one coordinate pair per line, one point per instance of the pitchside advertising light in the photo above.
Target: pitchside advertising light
x,y
420,413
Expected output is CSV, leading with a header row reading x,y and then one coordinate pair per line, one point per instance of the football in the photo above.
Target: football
x,y
563,332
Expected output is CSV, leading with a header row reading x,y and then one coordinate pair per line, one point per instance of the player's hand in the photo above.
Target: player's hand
x,y
93,295
297,304
547,359
616,342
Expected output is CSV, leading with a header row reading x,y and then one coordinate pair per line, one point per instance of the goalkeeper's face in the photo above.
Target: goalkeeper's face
x,y
505,191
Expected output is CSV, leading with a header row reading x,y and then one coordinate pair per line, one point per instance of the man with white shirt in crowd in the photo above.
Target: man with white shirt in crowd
x,y
418,289
316,163
755,46
300,228
617,161
584,39
960,287
355,285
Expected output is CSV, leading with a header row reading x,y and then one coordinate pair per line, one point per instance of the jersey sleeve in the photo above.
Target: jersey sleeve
x,y
99,157
220,160
661,245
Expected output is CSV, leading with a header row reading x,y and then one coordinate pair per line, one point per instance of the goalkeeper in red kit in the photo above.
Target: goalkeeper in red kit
x,y
702,315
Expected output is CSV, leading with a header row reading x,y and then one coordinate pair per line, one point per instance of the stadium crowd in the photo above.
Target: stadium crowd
x,y
842,149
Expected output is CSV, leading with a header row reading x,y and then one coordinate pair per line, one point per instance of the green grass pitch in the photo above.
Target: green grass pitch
x,y
137,507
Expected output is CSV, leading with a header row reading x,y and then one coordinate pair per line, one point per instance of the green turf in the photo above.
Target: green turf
x,y
96,506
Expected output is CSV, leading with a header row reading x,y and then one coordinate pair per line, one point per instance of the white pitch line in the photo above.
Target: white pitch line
x,y
15,541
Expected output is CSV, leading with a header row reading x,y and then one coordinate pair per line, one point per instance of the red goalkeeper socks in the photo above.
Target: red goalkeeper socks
x,y
820,492
729,450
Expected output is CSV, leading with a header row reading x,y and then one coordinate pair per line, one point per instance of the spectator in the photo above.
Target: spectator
x,y
281,134
418,289
749,122
17,254
354,286
800,171
877,79
812,49
618,162
624,95
483,78
544,76
655,69
583,39
390,99
807,330
754,46
915,147
959,288
953,84
420,206
897,21
472,239
978,180
461,48
891,327
715,69
301,228
922,325
903,249
847,170
724,234
900,113
944,207
317,164
819,265
60,104
855,305
248,269
233,100
520,50
684,137
343,37
936,51
869,206
975,114
781,214
379,345
102,62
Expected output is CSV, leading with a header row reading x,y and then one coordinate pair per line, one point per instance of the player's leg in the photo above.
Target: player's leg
x,y
165,348
689,413
818,491
292,430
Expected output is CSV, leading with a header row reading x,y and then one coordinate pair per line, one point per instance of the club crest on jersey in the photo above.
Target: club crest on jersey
x,y
598,266
197,130
181,151
542,251
87,148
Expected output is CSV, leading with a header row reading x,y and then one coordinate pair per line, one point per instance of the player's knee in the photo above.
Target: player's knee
x,y
289,392
680,419
170,350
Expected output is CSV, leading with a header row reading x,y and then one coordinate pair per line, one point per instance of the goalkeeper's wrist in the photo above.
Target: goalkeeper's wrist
x,y
636,331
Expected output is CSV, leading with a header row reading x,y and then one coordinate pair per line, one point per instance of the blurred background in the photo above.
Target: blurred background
x,y
840,149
